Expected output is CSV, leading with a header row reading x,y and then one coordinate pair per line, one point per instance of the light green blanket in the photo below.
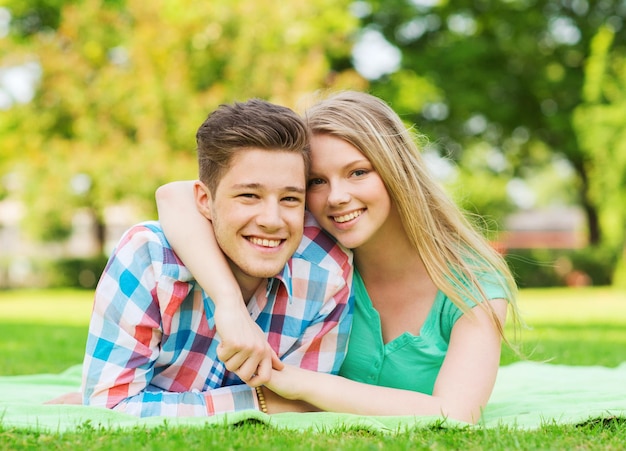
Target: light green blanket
x,y
527,395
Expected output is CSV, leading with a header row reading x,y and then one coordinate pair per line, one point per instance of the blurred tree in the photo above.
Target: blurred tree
x,y
508,74
125,84
600,124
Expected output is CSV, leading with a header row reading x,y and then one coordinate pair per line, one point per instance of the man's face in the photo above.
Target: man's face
x,y
258,211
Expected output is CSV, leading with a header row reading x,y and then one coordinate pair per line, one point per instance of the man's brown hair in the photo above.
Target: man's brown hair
x,y
253,124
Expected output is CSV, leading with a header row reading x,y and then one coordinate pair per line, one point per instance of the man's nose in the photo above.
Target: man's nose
x,y
270,215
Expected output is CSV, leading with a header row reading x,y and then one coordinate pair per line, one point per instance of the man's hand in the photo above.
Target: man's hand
x,y
244,348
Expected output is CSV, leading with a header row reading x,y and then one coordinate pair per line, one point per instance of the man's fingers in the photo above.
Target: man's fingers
x,y
236,364
229,350
254,367
263,373
276,362
247,370
225,353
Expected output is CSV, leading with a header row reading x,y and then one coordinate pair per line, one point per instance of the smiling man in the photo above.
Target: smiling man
x,y
152,348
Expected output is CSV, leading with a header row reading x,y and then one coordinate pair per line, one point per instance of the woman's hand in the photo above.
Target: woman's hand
x,y
287,381
277,404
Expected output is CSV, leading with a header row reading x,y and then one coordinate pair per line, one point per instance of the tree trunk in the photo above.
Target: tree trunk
x,y
594,232
100,230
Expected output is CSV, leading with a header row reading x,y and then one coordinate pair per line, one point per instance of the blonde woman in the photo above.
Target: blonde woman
x,y
431,295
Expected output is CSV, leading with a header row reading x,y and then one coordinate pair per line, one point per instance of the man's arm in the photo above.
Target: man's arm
x,y
132,313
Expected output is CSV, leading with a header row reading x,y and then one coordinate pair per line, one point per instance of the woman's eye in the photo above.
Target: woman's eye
x,y
317,181
359,172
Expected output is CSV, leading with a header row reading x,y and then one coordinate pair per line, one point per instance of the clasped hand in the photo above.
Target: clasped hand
x,y
244,348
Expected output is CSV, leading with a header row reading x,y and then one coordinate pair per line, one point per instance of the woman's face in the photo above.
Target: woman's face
x,y
345,194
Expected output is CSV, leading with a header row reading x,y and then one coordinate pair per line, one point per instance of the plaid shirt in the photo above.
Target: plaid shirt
x,y
151,348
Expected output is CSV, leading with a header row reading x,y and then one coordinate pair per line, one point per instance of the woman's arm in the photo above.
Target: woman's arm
x,y
244,348
461,391
469,371
278,404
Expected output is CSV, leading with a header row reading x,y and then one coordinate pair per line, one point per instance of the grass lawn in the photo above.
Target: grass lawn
x,y
45,331
583,326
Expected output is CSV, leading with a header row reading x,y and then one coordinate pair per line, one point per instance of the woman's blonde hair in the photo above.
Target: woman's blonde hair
x,y
456,255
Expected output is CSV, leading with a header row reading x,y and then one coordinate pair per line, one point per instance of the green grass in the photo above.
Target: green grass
x,y
584,326
254,436
45,331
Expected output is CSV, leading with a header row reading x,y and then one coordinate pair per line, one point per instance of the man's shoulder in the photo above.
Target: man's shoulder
x,y
144,232
149,239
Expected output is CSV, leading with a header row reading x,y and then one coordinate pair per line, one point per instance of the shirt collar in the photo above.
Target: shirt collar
x,y
259,299
273,283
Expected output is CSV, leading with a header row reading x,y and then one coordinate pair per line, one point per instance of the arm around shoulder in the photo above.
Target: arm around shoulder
x,y
244,347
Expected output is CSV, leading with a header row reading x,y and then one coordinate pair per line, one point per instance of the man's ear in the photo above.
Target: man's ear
x,y
203,198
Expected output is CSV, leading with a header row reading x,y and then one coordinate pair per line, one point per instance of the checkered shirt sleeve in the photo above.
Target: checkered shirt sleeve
x,y
151,347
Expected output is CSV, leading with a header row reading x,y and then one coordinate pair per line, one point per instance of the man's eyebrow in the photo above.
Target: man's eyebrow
x,y
297,189
246,186
257,186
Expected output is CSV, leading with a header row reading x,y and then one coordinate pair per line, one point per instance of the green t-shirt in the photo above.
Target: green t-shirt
x,y
409,362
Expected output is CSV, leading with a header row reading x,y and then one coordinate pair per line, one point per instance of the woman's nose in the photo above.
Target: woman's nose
x,y
338,195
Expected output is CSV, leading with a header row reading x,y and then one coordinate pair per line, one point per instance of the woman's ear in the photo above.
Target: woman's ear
x,y
203,198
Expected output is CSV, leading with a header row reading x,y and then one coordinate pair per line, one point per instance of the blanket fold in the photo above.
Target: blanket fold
x,y
526,395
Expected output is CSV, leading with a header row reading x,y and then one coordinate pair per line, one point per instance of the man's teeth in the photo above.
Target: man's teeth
x,y
348,217
264,242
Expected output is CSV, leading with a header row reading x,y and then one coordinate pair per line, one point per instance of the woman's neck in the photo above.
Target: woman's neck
x,y
397,283
387,257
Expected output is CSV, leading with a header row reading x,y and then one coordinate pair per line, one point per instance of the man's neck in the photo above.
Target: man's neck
x,y
247,291
247,284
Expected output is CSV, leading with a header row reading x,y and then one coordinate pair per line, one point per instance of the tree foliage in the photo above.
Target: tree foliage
x,y
504,89
600,122
126,83
508,73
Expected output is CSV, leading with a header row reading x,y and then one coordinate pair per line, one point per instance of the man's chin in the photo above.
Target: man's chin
x,y
261,266
264,270
265,273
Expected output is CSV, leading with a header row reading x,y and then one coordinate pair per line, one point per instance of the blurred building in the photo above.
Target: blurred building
x,y
23,260
547,228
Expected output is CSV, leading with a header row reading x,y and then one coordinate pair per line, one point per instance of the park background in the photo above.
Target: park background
x,y
523,103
